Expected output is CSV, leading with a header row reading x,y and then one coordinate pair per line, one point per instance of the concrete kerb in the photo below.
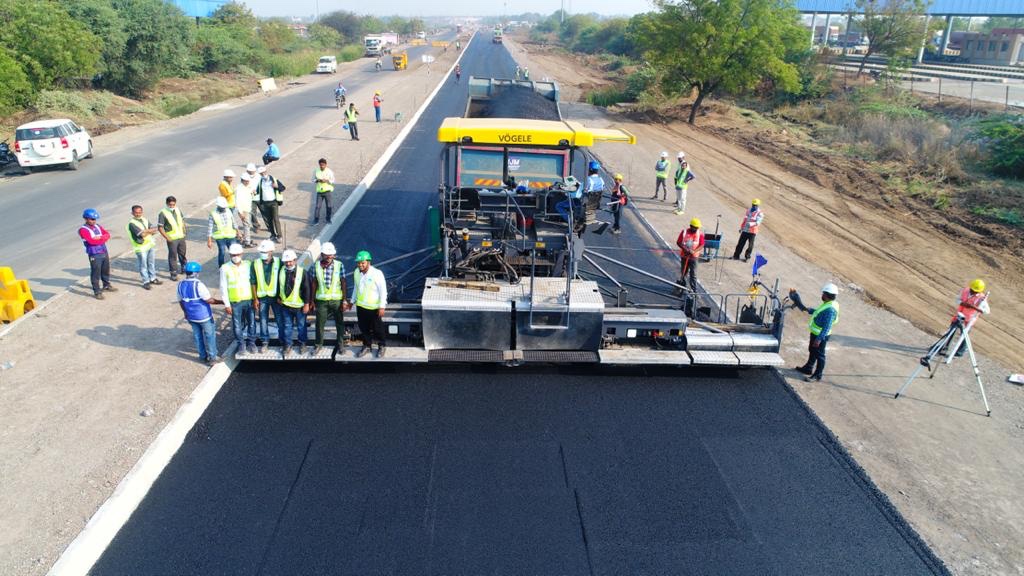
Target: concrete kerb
x,y
83,552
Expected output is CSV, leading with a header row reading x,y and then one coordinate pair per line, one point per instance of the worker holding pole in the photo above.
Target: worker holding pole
x,y
690,243
823,319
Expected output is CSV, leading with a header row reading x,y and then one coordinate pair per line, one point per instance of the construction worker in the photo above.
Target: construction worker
x,y
236,291
243,206
519,72
254,180
690,243
222,227
973,301
620,197
682,182
269,194
171,225
140,234
266,271
526,73
351,119
226,188
377,101
371,296
574,196
458,73
328,285
661,175
272,154
293,297
823,319
323,177
95,237
748,229
195,300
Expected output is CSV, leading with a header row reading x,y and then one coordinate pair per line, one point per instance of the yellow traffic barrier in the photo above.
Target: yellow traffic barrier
x,y
417,42
440,43
15,296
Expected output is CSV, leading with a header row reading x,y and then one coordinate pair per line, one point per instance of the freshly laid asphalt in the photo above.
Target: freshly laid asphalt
x,y
317,469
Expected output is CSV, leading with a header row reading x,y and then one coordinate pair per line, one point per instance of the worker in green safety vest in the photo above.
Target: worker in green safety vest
x,y
682,181
265,272
293,296
140,234
370,293
823,319
327,282
171,224
236,288
323,179
222,227
661,175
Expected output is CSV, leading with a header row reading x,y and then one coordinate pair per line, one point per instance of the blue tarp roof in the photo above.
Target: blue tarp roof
x,y
936,8
198,8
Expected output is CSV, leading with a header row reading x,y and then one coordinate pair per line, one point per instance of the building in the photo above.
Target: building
x,y
1001,47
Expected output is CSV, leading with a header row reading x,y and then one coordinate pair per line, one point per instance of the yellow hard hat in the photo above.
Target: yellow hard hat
x,y
618,176
978,285
377,92
695,223
756,202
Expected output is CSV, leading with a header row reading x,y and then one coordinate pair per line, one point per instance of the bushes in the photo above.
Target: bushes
x,y
217,50
607,96
1003,140
294,64
350,53
80,105
15,90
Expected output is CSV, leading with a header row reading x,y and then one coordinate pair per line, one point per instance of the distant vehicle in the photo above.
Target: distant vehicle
x,y
327,65
6,157
377,44
421,35
400,61
48,142
497,35
458,28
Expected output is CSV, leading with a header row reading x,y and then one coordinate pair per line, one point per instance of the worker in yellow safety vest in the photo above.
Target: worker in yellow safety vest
x,y
222,227
171,224
265,272
748,229
823,319
352,120
660,176
323,178
327,282
370,296
140,234
682,182
236,288
294,296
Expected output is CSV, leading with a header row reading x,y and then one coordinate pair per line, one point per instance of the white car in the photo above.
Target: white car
x,y
327,65
47,142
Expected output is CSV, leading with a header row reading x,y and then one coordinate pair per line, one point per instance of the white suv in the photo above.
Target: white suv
x,y
46,142
327,65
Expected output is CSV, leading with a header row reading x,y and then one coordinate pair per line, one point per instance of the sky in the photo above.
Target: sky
x,y
447,7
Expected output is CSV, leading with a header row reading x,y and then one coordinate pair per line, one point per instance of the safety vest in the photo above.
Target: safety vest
x,y
813,325
595,183
661,169
239,289
173,216
196,309
227,192
96,232
278,197
376,101
147,243
322,187
266,287
751,220
223,225
350,115
690,243
367,294
291,299
973,300
681,175
332,290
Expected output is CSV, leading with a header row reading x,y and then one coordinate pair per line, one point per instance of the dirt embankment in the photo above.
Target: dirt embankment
x,y
838,213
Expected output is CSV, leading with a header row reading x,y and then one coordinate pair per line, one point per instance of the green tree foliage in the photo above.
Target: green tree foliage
x,y
994,22
159,43
276,36
50,47
893,27
216,49
234,14
324,36
15,90
711,45
108,25
1004,140
348,24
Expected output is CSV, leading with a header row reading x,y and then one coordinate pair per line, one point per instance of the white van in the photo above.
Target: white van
x,y
47,142
327,65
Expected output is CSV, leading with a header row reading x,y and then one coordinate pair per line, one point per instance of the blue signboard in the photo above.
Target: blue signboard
x,y
198,8
935,8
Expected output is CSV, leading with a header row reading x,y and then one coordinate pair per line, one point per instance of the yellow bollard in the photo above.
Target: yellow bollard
x,y
15,296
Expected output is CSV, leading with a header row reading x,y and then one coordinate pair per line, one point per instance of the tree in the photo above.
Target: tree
x,y
234,14
705,46
347,24
1000,22
276,36
15,91
324,36
48,44
893,27
108,25
159,44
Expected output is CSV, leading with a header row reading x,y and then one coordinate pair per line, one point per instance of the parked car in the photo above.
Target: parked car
x,y
48,142
327,65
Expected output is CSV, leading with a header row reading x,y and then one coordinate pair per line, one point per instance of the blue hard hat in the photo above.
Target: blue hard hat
x,y
594,165
193,268
91,214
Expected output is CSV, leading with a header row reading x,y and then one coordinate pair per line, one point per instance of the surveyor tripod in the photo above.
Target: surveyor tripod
x,y
942,346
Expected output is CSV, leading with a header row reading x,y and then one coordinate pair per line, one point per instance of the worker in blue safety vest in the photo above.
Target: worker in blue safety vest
x,y
823,319
195,300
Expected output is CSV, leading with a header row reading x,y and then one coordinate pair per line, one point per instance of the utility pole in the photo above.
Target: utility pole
x,y
317,10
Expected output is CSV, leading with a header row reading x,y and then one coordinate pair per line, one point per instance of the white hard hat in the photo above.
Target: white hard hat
x,y
235,248
288,255
664,154
246,177
681,154
261,170
328,249
250,167
229,173
830,288
266,246
222,202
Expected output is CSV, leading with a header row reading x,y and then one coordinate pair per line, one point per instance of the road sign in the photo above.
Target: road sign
x,y
427,58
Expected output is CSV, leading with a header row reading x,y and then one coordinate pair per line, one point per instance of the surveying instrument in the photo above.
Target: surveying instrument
x,y
942,346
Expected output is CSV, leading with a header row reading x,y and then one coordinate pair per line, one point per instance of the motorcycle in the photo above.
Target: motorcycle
x,y
378,65
339,100
6,157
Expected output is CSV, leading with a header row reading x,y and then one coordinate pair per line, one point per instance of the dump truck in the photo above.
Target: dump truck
x,y
496,35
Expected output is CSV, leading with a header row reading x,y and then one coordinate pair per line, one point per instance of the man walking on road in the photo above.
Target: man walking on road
x,y
294,296
690,243
323,177
620,197
95,237
236,289
195,300
351,118
823,318
269,194
370,297
243,205
222,228
272,154
682,182
171,225
661,175
748,229
266,271
327,282
140,234
226,188
377,101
